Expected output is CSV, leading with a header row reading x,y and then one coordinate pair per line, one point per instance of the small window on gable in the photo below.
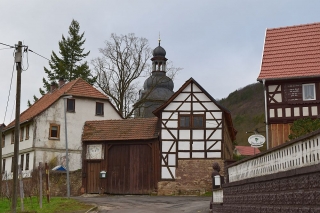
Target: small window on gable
x,y
99,108
21,133
308,91
12,137
54,131
198,121
184,121
70,105
194,121
27,132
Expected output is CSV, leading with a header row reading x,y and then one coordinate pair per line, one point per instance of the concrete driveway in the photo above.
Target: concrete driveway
x,y
147,204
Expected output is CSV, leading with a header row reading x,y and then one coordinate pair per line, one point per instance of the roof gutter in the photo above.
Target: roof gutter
x,y
26,121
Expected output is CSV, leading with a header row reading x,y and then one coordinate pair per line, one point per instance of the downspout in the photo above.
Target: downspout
x,y
265,111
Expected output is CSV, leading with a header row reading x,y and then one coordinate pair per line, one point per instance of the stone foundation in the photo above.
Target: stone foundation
x,y
193,177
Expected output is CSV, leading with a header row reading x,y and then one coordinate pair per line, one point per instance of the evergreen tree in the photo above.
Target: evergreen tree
x,y
70,64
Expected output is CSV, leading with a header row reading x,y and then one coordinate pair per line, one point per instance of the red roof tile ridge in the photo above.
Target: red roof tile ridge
x,y
295,26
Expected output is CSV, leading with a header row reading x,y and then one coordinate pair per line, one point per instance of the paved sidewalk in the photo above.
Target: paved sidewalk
x,y
147,204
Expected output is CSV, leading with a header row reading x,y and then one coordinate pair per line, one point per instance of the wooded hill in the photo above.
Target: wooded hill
x,y
247,109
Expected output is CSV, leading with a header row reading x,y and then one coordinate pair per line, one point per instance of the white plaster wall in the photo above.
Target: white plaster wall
x,y
23,145
26,173
84,111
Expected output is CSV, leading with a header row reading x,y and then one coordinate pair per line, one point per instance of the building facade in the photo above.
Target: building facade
x,y
42,127
291,76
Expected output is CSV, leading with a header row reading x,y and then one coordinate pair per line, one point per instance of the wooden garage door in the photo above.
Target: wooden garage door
x,y
130,169
93,180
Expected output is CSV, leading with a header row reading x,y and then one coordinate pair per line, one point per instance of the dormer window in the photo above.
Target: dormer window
x,y
308,91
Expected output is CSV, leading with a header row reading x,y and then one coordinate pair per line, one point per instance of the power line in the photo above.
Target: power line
x,y
7,45
5,114
39,55
8,48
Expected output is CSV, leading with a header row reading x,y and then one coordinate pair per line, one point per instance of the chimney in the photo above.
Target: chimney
x,y
53,86
61,82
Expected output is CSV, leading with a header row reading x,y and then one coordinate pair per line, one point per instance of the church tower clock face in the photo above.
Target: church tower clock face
x,y
94,151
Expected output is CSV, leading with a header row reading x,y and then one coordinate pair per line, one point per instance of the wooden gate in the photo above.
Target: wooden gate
x,y
130,169
93,180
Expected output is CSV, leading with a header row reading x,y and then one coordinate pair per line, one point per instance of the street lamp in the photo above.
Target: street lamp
x,y
66,139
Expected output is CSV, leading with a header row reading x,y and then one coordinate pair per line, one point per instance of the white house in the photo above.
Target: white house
x,y
42,126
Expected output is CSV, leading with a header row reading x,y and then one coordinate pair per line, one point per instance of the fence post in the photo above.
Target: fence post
x,y
40,187
21,187
47,182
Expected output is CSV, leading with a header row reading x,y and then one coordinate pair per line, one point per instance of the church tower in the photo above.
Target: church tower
x,y
158,88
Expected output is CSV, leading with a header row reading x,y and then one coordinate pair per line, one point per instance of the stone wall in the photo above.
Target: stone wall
x,y
58,183
193,177
296,190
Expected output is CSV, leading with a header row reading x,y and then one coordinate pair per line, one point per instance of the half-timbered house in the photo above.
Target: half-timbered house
x,y
195,131
291,76
127,150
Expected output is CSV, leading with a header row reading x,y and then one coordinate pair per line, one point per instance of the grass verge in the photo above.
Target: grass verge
x,y
57,204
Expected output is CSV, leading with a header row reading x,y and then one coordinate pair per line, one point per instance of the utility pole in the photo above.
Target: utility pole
x,y
1,126
18,60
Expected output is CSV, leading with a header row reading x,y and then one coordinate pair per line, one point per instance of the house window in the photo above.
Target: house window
x,y
27,132
54,131
198,121
70,105
99,109
3,141
12,164
21,162
308,91
194,121
27,162
21,133
12,137
3,165
184,121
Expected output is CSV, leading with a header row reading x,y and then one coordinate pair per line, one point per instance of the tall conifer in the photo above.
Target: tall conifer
x,y
70,65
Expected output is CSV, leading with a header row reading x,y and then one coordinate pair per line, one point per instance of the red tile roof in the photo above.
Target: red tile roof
x,y
247,150
76,88
116,130
291,52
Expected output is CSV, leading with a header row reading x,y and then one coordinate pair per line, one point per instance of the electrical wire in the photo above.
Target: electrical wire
x,y
5,114
8,48
39,54
7,45
26,52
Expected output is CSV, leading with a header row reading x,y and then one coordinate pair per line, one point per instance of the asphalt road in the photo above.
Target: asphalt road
x,y
147,204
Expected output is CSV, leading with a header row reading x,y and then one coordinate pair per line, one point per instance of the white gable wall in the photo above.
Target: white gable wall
x,y
190,143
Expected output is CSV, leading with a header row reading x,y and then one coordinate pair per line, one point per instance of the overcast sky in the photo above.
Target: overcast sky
x,y
219,43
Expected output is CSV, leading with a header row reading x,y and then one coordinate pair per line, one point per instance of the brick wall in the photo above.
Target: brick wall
x,y
297,190
193,177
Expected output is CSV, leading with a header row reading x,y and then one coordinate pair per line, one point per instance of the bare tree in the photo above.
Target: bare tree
x,y
125,59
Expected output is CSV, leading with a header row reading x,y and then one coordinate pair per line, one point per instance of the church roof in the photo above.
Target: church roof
x,y
291,52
